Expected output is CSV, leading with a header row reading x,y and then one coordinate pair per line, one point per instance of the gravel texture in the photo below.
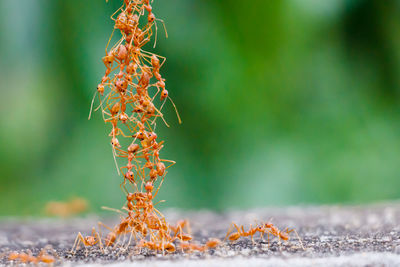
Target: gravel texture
x,y
332,236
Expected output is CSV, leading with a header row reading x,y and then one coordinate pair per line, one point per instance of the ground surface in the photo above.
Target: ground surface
x,y
332,236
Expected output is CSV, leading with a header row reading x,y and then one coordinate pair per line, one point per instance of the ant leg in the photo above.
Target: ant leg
x,y
155,95
130,238
161,201
251,233
229,231
238,229
101,105
179,231
100,243
122,133
165,28
122,153
159,187
262,236
112,16
301,243
109,40
162,117
176,110
188,227
155,37
247,233
123,187
167,160
79,238
95,234
91,105
162,105
111,209
115,159
279,243
156,210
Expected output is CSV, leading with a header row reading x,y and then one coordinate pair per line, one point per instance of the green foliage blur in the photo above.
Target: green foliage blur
x,y
282,102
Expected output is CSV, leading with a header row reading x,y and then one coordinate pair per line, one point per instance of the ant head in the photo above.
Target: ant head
x,y
100,88
268,225
152,136
123,117
145,102
139,135
129,175
130,197
138,109
108,60
164,94
284,236
151,109
115,142
149,187
120,85
151,18
170,247
155,62
130,206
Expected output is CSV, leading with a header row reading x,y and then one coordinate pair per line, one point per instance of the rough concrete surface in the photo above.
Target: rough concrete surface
x,y
332,236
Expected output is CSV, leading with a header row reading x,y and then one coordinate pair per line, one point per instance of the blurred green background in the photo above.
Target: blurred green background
x,y
283,103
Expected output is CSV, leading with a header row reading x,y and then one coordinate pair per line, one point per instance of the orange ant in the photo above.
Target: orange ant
x,y
242,233
87,241
210,244
23,257
269,228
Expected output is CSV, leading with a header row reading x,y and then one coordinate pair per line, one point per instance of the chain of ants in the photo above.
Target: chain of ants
x,y
127,95
130,90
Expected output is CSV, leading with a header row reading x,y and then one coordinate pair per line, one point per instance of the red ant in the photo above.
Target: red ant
x,y
88,241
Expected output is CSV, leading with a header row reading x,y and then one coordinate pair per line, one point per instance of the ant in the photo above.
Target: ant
x,y
88,241
210,244
23,257
241,232
269,228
